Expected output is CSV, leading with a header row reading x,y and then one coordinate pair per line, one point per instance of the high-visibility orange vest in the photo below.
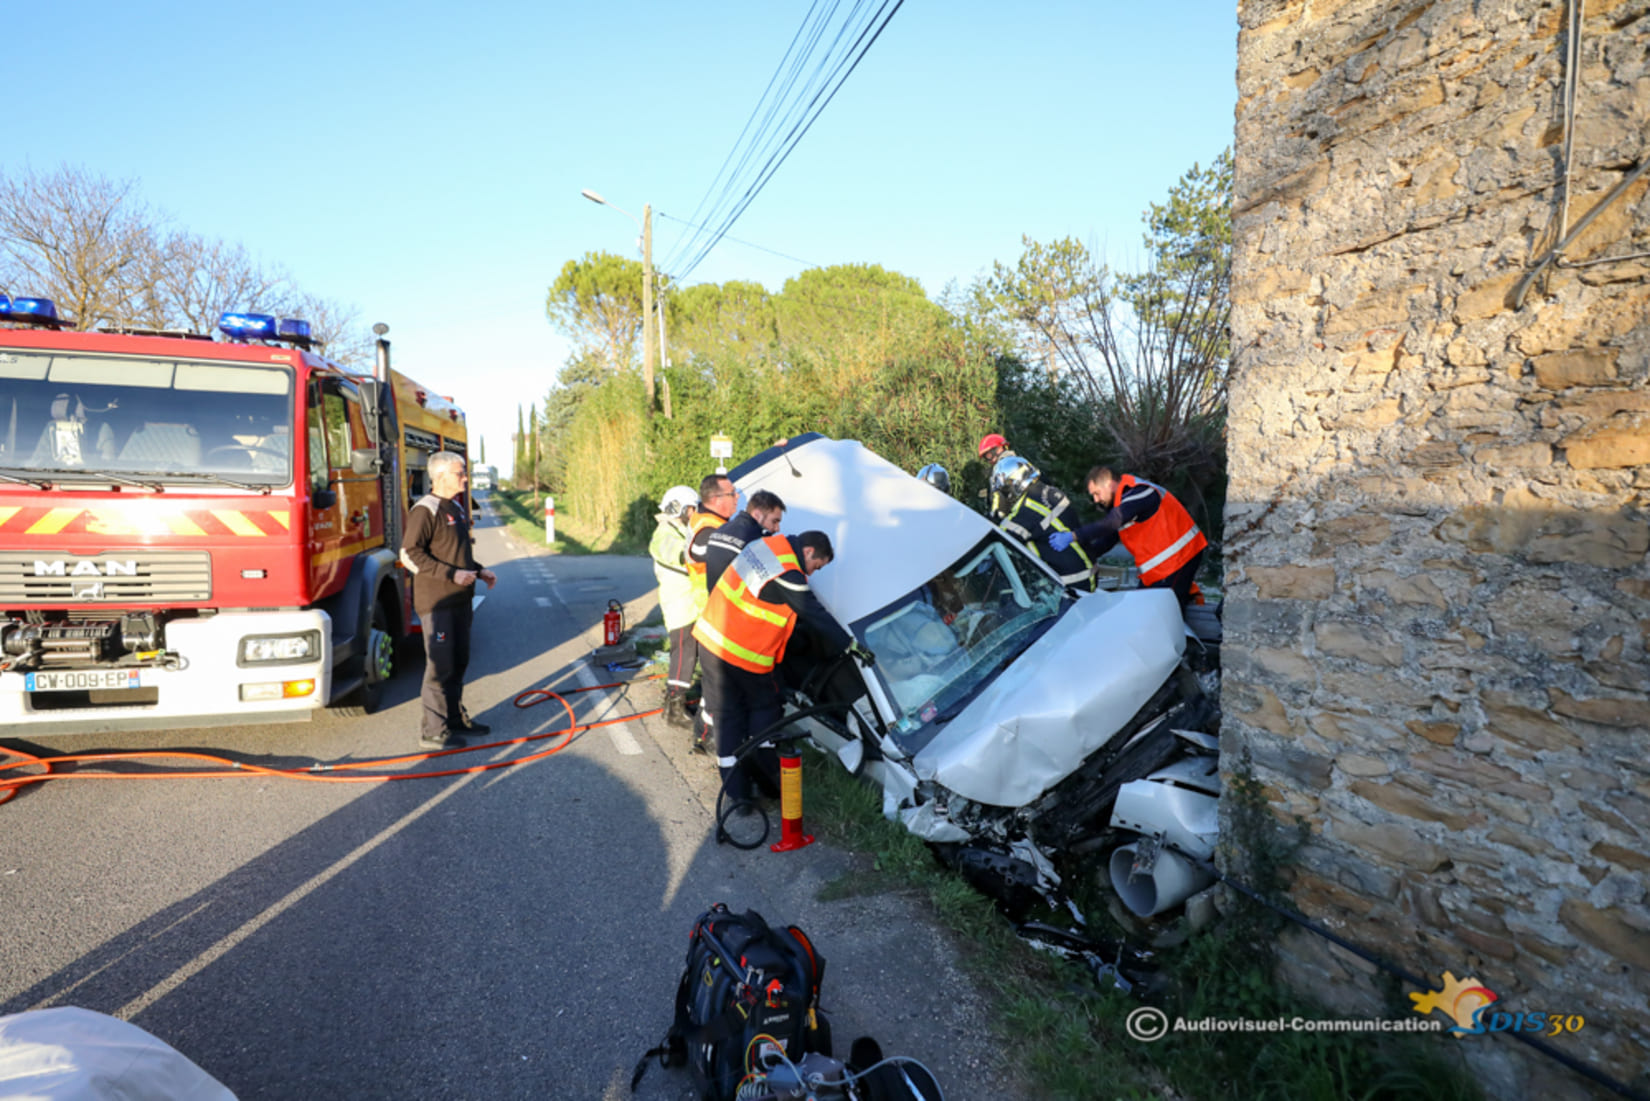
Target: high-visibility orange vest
x,y
698,576
1164,541
736,626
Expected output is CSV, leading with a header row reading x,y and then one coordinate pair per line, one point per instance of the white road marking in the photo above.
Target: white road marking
x,y
623,740
543,601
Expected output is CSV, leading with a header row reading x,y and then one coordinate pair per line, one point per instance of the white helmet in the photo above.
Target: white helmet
x,y
677,500
1012,476
937,476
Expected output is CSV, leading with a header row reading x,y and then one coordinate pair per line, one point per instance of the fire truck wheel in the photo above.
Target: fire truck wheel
x,y
378,665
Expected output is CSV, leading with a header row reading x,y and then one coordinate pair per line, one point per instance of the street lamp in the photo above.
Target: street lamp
x,y
645,223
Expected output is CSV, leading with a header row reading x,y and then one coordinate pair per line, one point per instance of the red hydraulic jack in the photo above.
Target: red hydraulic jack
x,y
790,806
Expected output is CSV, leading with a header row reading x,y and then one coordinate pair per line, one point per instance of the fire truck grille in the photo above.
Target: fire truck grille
x,y
29,577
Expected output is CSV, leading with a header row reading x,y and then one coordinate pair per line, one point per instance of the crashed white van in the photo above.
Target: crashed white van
x,y
1008,721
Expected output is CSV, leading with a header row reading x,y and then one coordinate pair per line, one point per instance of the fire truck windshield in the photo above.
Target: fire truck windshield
x,y
146,419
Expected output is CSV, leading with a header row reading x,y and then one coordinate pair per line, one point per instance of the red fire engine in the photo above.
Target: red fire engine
x,y
197,531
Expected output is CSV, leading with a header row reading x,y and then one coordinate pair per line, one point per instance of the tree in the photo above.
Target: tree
x,y
92,246
1146,352
82,240
597,303
517,463
727,322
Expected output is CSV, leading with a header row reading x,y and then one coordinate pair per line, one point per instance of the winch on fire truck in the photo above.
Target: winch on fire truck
x,y
197,531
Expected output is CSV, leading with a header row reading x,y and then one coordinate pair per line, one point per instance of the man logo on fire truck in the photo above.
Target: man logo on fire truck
x,y
197,531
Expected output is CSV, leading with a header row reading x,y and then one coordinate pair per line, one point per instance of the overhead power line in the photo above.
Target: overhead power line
x,y
737,241
773,136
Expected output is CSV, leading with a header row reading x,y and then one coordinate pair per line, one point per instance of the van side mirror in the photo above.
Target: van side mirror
x,y
323,498
364,460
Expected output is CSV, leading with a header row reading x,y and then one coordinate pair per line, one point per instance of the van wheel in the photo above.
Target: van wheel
x,y
378,666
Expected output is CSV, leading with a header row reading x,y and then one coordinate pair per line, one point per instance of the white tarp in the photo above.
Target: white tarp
x,y
53,1054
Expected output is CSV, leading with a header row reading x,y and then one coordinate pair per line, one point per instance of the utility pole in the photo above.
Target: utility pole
x,y
647,304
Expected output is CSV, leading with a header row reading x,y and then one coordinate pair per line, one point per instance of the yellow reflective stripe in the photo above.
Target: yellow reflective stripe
x,y
8,513
720,641
282,518
182,525
236,522
736,598
54,521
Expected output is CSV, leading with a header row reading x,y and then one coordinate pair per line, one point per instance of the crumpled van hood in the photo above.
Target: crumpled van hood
x,y
1061,700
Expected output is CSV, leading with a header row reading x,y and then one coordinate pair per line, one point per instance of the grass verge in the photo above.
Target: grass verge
x,y
1069,1034
523,513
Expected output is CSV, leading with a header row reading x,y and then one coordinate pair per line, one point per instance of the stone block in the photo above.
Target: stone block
x,y
1610,448
1524,841
1356,764
1287,665
1364,528
1288,759
1476,773
1524,525
1292,582
1621,856
1358,642
1608,931
1577,367
1630,712
1439,733
1506,717
1415,589
1267,711
1486,944
1397,844
1403,801
1486,299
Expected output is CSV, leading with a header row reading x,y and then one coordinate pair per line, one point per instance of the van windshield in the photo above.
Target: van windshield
x,y
940,645
152,418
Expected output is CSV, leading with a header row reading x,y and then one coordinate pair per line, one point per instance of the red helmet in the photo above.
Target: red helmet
x,y
990,441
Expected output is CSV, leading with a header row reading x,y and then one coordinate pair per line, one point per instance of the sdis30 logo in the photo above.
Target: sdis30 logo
x,y
1465,1000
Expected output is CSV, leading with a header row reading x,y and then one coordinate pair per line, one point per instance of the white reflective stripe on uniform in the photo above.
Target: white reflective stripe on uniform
x,y
1164,555
412,567
726,762
757,565
1138,490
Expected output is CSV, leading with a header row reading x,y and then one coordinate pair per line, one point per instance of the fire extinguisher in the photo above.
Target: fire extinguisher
x,y
612,624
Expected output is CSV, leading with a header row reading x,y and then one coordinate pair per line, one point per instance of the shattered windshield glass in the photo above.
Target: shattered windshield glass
x,y
938,646
145,418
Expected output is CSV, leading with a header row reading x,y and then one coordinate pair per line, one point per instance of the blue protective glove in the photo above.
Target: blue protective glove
x,y
1060,540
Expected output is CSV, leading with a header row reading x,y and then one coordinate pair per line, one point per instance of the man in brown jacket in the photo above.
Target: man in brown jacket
x,y
436,551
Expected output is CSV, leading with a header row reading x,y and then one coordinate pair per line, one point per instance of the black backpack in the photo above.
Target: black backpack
x,y
748,995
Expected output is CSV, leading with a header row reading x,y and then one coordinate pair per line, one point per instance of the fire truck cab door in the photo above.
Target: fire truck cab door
x,y
355,520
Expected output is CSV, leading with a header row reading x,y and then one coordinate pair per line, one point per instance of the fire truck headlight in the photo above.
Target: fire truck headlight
x,y
280,649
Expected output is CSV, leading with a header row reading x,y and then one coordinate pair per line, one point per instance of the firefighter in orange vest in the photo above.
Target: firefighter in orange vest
x,y
761,599
717,500
1154,527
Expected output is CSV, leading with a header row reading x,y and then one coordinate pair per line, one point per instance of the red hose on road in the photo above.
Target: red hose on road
x,y
12,759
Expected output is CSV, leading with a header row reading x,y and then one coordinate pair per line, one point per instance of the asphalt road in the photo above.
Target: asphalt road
x,y
516,933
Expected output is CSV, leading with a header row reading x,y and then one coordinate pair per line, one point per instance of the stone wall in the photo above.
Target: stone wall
x,y
1438,589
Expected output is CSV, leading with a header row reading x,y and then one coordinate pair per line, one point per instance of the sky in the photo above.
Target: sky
x,y
422,163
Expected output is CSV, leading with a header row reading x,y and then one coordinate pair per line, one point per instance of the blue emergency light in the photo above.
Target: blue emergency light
x,y
290,328
247,326
38,311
